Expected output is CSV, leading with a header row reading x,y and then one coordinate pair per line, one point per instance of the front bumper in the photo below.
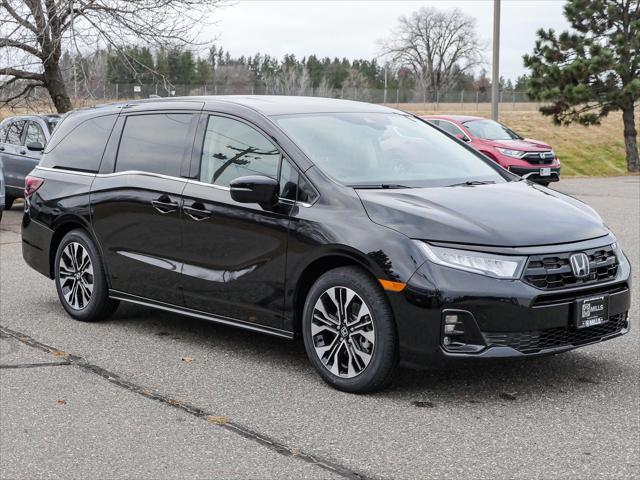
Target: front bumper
x,y
533,173
509,318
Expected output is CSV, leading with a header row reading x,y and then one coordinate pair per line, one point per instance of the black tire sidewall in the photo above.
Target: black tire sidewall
x,y
100,296
378,373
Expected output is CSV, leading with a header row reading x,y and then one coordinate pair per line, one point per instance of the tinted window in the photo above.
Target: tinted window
x,y
82,147
288,181
233,149
306,193
450,128
14,134
154,143
34,134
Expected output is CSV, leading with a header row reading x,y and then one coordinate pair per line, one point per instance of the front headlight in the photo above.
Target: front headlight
x,y
490,264
511,153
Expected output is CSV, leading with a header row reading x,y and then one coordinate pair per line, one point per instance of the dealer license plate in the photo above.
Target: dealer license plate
x,y
545,172
591,311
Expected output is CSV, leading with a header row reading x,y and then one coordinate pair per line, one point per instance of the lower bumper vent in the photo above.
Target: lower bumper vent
x,y
536,340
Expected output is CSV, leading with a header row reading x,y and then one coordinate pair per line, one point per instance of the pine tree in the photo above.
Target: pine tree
x,y
587,73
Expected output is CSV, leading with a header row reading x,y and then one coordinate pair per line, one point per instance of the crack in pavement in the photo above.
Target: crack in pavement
x,y
229,425
35,365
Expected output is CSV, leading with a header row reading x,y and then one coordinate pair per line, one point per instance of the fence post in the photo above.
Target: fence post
x,y
437,98
117,88
462,100
477,100
424,99
513,99
397,98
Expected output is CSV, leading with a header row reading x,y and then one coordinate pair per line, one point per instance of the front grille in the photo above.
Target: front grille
x,y
538,158
551,272
536,340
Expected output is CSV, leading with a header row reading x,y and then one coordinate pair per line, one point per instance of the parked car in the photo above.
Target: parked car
x,y
371,234
22,140
523,156
1,190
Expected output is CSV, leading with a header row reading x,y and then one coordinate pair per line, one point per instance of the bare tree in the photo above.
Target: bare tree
x,y
289,80
438,47
34,33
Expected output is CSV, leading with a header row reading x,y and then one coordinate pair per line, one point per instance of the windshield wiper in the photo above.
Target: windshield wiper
x,y
471,183
384,186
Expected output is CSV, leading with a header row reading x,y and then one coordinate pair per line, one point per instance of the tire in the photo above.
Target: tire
x,y
85,295
331,350
8,201
544,184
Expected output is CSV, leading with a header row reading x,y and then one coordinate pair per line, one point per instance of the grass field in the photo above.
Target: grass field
x,y
583,151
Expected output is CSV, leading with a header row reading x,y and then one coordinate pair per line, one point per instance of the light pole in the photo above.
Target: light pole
x,y
495,68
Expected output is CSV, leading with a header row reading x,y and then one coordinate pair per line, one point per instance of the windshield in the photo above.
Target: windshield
x,y
491,130
386,149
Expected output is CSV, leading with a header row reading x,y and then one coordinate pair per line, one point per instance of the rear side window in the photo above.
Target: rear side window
x,y
82,148
154,143
14,132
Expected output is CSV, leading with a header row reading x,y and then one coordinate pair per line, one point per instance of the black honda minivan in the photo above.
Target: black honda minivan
x,y
374,236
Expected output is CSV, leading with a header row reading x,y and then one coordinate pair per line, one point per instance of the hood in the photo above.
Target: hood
x,y
513,214
524,144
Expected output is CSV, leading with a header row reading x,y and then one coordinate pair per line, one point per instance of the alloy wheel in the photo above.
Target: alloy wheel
x,y
75,272
343,332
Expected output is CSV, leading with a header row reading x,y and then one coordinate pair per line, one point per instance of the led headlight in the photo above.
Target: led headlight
x,y
511,153
490,264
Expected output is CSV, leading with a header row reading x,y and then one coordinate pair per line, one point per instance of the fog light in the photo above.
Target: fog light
x,y
460,333
451,319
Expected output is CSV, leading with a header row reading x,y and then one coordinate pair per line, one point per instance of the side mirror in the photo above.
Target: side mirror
x,y
255,189
462,136
35,146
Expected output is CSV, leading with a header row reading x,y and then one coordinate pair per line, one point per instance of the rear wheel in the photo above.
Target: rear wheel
x,y
80,279
544,184
8,201
349,332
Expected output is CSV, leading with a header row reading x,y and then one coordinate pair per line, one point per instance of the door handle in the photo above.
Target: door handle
x,y
164,207
197,214
22,152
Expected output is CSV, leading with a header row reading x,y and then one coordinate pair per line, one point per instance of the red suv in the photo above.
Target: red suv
x,y
522,156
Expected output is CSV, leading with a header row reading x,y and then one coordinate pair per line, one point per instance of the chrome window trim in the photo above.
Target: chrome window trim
x,y
157,175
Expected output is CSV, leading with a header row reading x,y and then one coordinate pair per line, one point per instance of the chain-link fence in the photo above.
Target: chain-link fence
x,y
460,100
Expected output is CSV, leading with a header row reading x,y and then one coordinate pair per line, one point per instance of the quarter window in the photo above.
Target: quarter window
x,y
233,149
3,133
14,135
154,143
34,134
80,148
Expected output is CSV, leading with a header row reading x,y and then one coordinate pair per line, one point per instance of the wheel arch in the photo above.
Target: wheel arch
x,y
63,226
319,265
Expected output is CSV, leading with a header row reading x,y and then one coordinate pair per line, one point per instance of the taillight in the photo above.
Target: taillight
x,y
31,185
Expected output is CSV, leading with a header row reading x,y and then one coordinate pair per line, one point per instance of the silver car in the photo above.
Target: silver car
x,y
22,139
1,189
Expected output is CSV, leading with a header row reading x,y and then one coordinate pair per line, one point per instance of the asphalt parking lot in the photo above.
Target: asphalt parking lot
x,y
149,394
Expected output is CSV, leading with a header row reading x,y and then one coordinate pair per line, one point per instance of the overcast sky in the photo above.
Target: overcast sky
x,y
351,28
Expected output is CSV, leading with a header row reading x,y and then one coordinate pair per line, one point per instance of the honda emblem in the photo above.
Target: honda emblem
x,y
579,264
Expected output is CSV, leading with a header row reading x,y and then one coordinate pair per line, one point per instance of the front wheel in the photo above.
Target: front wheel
x,y
349,332
80,279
